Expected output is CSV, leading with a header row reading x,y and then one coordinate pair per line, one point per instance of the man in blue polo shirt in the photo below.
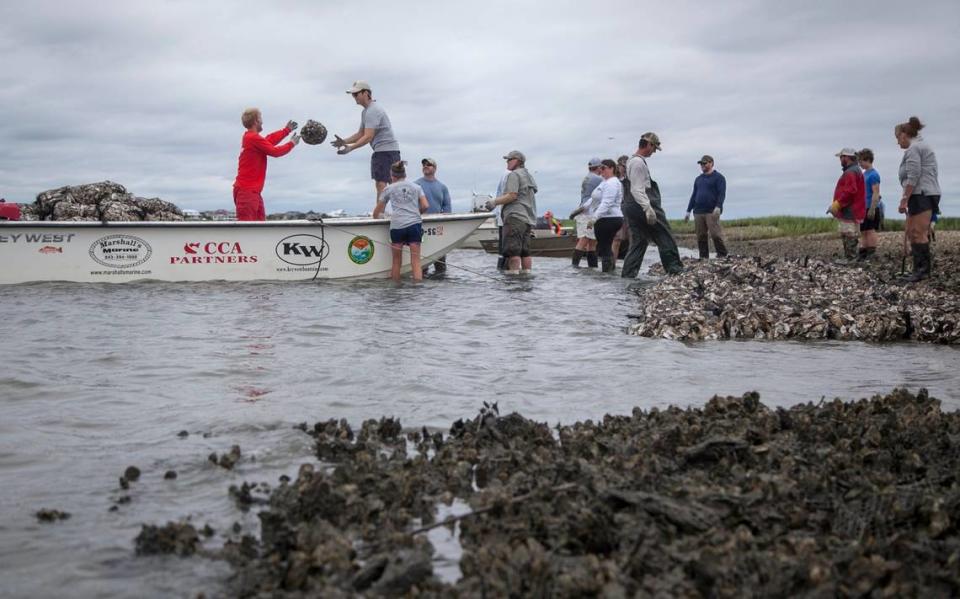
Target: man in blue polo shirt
x,y
438,197
706,204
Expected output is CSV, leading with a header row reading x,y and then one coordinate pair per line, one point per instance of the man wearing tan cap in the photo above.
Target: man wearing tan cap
x,y
849,202
376,130
645,216
706,204
519,213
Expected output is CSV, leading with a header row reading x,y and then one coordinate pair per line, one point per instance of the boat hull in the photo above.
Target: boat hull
x,y
544,244
117,252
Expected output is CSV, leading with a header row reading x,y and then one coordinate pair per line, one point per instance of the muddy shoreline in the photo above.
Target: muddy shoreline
x,y
830,499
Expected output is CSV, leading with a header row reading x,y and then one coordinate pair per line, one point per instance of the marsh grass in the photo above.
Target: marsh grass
x,y
769,227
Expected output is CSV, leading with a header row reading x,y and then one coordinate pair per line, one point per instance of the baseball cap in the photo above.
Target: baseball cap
x,y
847,152
430,161
594,162
515,154
359,86
706,158
651,138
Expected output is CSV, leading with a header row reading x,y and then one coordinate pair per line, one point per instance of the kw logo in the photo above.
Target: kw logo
x,y
295,248
302,250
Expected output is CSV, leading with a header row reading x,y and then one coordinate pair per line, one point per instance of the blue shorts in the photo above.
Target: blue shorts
x,y
380,165
406,236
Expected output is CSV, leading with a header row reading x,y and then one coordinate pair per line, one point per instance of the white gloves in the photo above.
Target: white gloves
x,y
490,205
295,138
651,215
717,210
686,217
291,125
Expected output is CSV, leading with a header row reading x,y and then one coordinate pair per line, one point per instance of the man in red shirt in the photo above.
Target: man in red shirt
x,y
849,201
252,169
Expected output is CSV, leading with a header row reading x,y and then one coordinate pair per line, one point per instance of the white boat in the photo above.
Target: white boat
x,y
119,252
488,231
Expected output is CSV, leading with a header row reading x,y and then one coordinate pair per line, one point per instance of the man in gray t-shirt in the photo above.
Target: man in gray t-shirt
x,y
376,130
519,212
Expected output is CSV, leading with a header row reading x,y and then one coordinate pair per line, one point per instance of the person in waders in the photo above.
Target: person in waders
x,y
645,215
849,202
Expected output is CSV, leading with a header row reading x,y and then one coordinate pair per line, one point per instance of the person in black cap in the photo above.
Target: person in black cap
x,y
438,196
706,204
645,215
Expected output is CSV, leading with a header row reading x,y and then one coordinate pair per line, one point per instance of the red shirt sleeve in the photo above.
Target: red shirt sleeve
x,y
266,145
846,192
277,136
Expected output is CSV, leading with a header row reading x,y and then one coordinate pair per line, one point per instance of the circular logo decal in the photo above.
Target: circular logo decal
x,y
360,250
120,251
302,250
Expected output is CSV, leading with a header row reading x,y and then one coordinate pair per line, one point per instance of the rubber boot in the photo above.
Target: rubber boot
x,y
720,246
850,248
921,262
608,264
703,245
862,254
501,263
577,256
592,259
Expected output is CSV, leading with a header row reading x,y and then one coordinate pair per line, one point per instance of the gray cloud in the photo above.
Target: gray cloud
x,y
149,94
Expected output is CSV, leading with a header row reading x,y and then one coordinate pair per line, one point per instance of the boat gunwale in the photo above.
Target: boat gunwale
x,y
168,224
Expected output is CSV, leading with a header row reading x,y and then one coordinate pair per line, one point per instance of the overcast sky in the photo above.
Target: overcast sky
x,y
149,94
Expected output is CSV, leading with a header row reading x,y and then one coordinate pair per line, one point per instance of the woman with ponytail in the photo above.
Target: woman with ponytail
x,y
921,193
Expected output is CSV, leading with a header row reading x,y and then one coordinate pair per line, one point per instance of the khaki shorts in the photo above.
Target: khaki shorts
x,y
585,227
848,227
516,238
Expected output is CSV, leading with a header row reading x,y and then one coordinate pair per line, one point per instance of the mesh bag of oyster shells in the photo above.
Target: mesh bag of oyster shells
x,y
313,132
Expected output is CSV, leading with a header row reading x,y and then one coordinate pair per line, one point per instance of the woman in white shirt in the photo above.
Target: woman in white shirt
x,y
606,197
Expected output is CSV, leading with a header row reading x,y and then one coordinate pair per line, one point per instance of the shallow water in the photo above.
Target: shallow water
x,y
97,377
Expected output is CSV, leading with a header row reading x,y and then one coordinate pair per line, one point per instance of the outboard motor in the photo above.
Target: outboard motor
x,y
9,211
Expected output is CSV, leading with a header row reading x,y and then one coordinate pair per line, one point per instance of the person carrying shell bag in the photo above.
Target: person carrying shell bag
x,y
849,202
